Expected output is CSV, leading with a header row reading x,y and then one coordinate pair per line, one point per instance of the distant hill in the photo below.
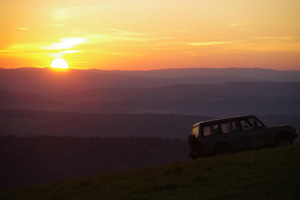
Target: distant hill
x,y
29,123
46,81
264,174
250,73
38,123
209,92
218,100
26,101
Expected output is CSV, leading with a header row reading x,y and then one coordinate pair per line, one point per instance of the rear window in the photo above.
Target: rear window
x,y
206,131
211,130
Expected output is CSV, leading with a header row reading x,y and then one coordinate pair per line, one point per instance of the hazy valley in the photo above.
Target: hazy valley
x,y
63,125
180,91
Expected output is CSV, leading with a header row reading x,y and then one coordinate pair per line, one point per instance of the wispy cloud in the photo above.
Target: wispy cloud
x,y
238,24
126,37
122,32
165,48
70,51
61,54
208,43
177,30
23,28
196,53
275,38
22,47
66,43
60,14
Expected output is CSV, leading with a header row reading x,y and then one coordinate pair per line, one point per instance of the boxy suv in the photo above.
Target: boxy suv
x,y
239,133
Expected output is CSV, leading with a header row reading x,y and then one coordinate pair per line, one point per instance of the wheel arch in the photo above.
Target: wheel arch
x,y
283,133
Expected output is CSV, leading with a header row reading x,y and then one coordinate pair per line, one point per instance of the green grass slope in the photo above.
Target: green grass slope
x,y
263,174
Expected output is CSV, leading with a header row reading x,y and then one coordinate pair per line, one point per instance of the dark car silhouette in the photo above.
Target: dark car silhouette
x,y
238,133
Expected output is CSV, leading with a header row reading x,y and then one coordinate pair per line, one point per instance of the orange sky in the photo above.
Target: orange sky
x,y
150,34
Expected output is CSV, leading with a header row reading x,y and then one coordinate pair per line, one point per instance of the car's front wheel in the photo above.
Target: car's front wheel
x,y
283,140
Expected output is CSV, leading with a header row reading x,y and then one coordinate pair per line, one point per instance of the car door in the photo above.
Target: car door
x,y
256,134
233,134
211,135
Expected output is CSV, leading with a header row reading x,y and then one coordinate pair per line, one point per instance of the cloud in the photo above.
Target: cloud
x,y
178,30
212,43
275,38
71,51
23,28
126,37
66,43
22,47
60,14
196,53
122,32
238,24
207,43
165,48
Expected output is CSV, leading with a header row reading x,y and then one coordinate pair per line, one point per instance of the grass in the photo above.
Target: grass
x,y
262,174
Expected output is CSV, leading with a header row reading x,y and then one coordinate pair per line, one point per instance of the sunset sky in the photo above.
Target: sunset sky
x,y
150,34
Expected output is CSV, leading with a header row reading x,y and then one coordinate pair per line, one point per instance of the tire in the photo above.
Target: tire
x,y
222,149
283,140
193,146
192,156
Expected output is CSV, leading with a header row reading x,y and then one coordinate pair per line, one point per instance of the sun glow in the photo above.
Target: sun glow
x,y
59,63
113,35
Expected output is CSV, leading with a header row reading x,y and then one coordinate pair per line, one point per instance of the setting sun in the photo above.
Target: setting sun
x,y
59,63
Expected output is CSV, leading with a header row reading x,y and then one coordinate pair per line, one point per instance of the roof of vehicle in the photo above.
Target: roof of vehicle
x,y
223,119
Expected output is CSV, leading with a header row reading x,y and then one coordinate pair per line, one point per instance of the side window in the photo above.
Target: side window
x,y
215,129
228,127
246,124
206,131
257,123
211,130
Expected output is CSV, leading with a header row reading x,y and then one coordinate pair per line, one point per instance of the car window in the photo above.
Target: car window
x,y
215,129
228,127
256,123
246,124
206,131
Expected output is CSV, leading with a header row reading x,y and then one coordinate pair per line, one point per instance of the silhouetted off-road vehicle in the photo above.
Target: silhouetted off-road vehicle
x,y
221,136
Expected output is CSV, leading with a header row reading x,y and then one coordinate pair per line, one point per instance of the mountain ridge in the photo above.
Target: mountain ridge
x,y
47,81
190,99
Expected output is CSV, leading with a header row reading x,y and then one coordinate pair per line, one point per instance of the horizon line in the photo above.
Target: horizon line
x,y
155,69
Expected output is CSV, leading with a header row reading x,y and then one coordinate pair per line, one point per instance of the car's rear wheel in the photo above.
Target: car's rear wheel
x,y
283,140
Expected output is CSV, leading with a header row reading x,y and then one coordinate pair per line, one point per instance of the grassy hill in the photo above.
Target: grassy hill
x,y
263,174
